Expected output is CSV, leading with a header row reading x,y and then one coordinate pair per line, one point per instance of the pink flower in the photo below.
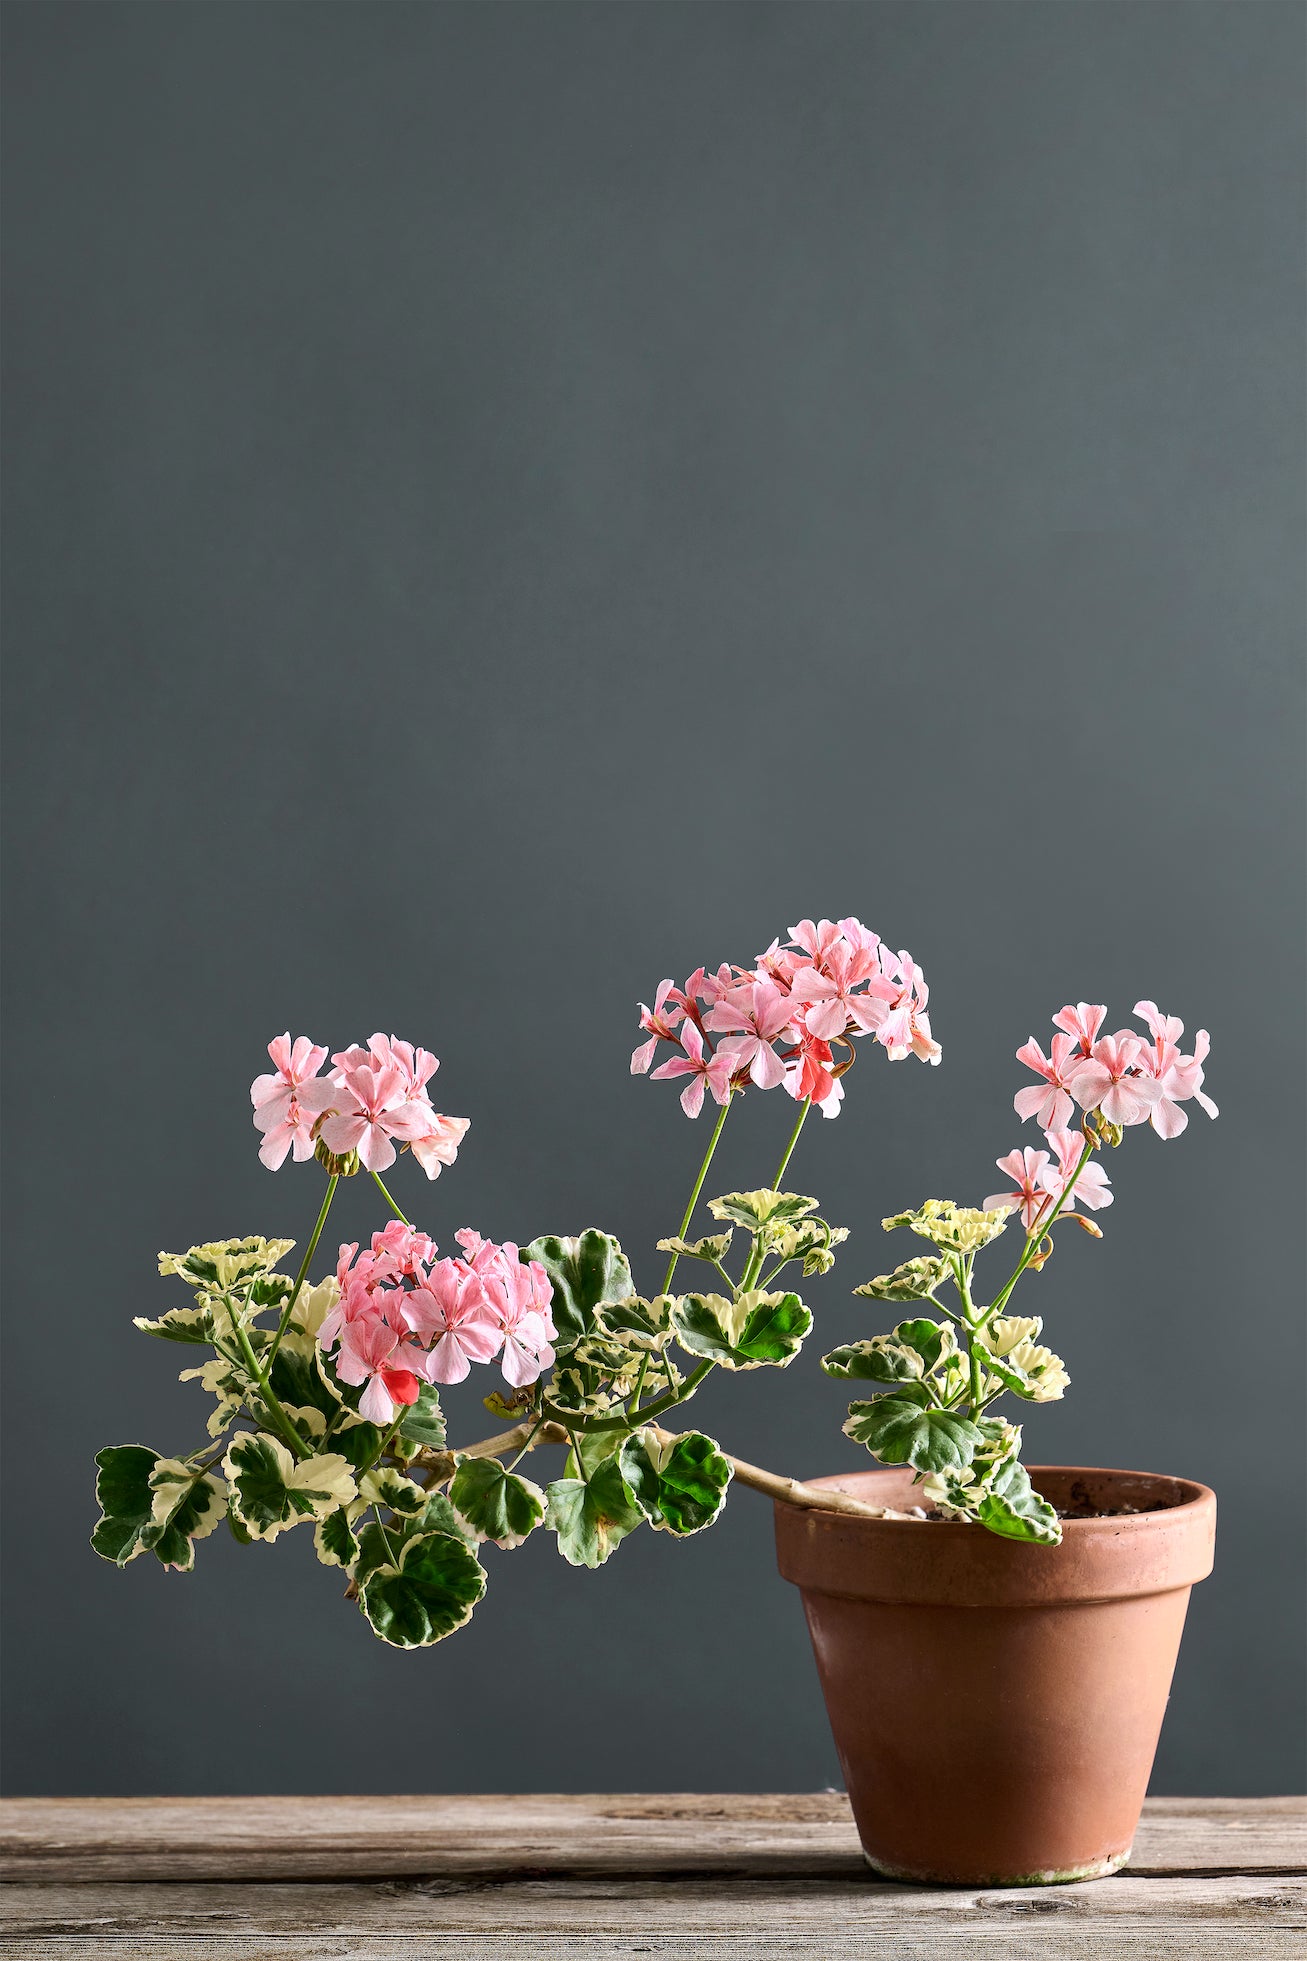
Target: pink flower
x,y
1091,1186
1049,1105
371,1351
450,1309
433,1139
714,1071
287,1103
817,939
372,1109
1082,1023
440,1145
709,988
1110,1080
763,1013
832,1005
1028,1171
401,1252
660,1021
1178,1077
808,1075
519,1293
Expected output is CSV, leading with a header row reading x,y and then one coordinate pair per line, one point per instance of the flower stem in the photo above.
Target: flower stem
x,y
698,1187
281,1422
302,1275
804,1108
390,1201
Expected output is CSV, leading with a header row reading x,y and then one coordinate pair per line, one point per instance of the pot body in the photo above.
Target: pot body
x,y
995,1705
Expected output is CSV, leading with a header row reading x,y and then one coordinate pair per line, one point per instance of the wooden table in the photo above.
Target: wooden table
x,y
730,1878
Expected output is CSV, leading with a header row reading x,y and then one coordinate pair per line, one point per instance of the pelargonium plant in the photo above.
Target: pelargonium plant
x,y
327,1393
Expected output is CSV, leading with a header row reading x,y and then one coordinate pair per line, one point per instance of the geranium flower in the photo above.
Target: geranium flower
x,y
440,1145
763,1014
1178,1077
808,1075
519,1294
1031,1196
1049,1104
1110,1080
450,1314
372,1110
372,1352
287,1102
713,1071
1092,1186
661,1022
435,1142
1081,1023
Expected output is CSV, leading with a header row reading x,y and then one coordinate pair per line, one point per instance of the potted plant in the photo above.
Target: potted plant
x,y
995,1644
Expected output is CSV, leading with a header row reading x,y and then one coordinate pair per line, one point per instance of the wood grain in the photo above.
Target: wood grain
x,y
488,1878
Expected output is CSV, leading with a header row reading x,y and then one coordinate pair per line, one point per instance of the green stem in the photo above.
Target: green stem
x,y
592,1425
290,1435
302,1275
698,1187
804,1108
538,1426
390,1201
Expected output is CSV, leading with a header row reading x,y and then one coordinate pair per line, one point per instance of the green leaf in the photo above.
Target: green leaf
x,y
424,1421
381,1545
358,1444
270,1491
428,1592
122,1490
712,1247
225,1264
299,1375
225,1381
591,1516
1008,1372
913,1280
749,1333
903,1428
185,1508
1014,1509
679,1483
757,1210
335,1539
912,1351
193,1324
496,1503
811,1241
583,1272
391,1489
643,1325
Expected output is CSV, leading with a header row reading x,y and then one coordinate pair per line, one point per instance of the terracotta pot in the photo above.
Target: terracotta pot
x,y
996,1706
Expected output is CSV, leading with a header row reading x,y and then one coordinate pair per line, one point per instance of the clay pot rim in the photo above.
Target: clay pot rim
x,y
1197,1498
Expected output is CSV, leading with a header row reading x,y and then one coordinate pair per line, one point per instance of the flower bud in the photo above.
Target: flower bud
x,y
338,1166
1086,1225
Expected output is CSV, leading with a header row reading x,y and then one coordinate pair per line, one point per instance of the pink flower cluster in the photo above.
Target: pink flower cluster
x,y
774,1024
1127,1077
404,1317
370,1100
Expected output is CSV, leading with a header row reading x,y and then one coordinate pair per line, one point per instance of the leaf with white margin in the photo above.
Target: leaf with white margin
x,y
713,1246
645,1325
756,1331
592,1516
498,1504
905,1428
1013,1509
225,1381
911,1352
270,1490
756,1211
913,1280
582,1272
122,1491
395,1492
314,1305
426,1593
222,1264
192,1324
957,1228
334,1538
679,1483
186,1507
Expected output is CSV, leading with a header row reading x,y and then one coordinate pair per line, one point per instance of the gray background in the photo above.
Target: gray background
x,y
508,502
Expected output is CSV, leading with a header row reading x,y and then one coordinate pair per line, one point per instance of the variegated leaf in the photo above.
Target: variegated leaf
x,y
269,1490
753,1332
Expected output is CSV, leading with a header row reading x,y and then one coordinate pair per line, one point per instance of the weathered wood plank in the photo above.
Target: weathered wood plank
x,y
777,1836
729,1920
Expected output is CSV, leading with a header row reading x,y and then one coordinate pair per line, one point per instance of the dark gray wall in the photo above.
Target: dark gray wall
x,y
507,502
